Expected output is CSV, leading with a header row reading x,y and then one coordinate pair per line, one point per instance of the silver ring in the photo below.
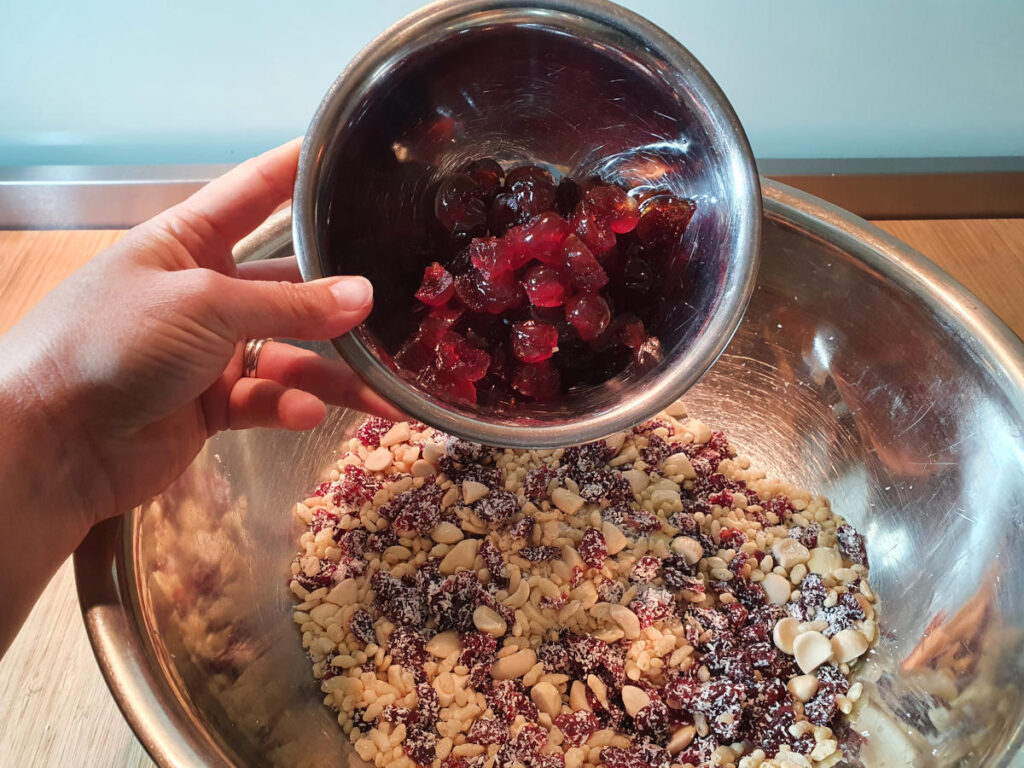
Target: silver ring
x,y
251,357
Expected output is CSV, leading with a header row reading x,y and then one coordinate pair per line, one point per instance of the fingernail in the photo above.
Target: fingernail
x,y
352,292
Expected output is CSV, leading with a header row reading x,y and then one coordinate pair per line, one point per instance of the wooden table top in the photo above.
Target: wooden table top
x,y
55,709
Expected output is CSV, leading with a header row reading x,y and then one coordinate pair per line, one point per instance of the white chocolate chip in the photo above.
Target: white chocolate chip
x,y
681,739
446,533
824,560
566,500
423,468
637,480
378,460
626,619
701,432
444,644
515,665
679,464
614,539
487,620
398,433
803,687
547,698
472,491
461,555
433,452
634,699
785,633
823,749
578,697
600,690
345,593
848,645
677,411
789,552
689,548
811,650
518,598
776,588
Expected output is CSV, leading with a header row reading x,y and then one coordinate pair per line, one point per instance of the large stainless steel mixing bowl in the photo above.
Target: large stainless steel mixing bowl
x,y
860,370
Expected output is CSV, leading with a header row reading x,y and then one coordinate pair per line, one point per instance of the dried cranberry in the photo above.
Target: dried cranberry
x,y
506,699
546,285
642,521
641,756
494,562
537,481
645,570
653,604
497,508
361,625
732,538
580,459
808,536
539,554
555,657
577,727
812,591
408,648
522,528
487,731
592,548
372,430
851,544
652,721
595,231
421,746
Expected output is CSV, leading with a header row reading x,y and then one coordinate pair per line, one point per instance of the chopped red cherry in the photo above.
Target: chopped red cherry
x,y
589,314
521,290
663,220
490,256
461,359
488,175
458,204
546,286
593,230
586,272
437,287
541,238
613,204
533,341
537,380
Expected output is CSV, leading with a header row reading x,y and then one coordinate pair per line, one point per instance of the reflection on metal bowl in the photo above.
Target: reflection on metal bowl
x,y
860,371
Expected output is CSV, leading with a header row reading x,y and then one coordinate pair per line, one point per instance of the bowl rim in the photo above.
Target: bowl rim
x,y
418,32
104,561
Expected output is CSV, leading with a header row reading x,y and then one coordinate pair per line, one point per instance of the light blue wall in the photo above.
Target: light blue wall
x,y
113,81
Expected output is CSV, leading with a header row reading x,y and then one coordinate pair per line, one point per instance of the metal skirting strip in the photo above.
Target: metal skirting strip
x,y
117,197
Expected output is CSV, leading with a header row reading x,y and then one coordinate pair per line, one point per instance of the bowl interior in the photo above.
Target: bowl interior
x,y
849,376
575,94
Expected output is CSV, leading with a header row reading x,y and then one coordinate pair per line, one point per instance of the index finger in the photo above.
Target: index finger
x,y
220,214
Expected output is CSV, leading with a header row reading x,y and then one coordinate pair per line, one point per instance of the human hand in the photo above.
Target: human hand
x,y
135,360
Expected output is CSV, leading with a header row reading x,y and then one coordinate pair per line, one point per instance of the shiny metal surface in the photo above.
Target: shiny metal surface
x,y
860,371
581,86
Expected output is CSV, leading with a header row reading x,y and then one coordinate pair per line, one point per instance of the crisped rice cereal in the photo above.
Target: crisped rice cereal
x,y
644,601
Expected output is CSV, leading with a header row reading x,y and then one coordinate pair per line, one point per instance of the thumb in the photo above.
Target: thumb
x,y
321,309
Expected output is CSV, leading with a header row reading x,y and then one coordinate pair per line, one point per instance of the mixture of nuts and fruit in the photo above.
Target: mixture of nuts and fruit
x,y
644,601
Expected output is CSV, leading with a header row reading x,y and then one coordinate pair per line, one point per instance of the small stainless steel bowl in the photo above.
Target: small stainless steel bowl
x,y
580,87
